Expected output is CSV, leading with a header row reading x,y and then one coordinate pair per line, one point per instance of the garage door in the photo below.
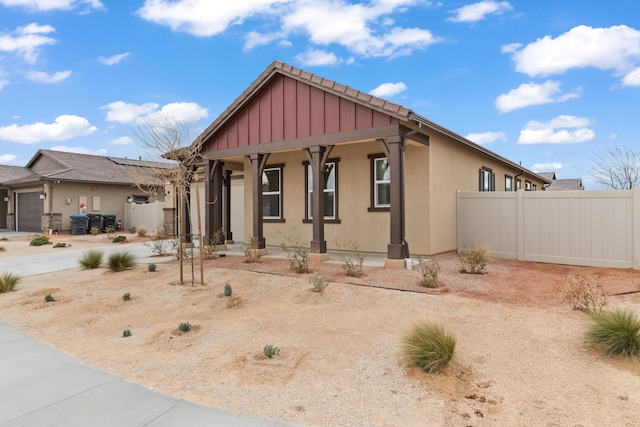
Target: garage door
x,y
29,210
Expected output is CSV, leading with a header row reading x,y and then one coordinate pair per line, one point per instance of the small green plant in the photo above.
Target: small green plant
x,y
270,351
132,229
227,290
110,230
60,245
584,293
251,254
151,267
474,262
94,230
8,282
119,239
210,250
352,259
318,283
40,241
49,298
295,250
120,261
429,272
126,297
615,332
429,346
126,333
184,327
91,259
141,231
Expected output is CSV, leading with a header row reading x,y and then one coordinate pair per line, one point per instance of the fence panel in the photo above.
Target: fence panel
x,y
147,215
590,228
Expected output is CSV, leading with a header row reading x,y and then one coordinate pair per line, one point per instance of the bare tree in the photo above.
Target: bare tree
x,y
178,142
618,169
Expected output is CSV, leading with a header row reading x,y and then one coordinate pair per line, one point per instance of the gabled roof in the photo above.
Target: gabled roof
x,y
8,173
565,185
75,167
389,108
548,175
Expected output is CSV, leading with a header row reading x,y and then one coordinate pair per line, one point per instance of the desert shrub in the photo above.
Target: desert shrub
x,y
126,297
91,259
318,283
8,282
120,261
161,232
270,350
160,246
210,250
584,293
228,291
142,232
429,272
151,267
615,332
296,251
352,259
184,327
429,346
60,245
94,231
49,298
474,262
251,254
119,239
40,241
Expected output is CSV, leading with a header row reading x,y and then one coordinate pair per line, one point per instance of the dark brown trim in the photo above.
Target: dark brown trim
x,y
372,183
306,219
505,182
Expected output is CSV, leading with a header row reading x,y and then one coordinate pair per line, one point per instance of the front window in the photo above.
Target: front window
x,y
272,193
508,183
518,184
487,180
382,183
527,185
330,190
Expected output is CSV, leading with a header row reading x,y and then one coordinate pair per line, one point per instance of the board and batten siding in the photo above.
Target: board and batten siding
x,y
587,228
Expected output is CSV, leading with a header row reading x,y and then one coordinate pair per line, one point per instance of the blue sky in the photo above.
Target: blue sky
x,y
550,84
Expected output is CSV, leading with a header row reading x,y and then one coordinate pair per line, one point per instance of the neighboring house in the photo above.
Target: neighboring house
x,y
55,185
570,184
330,163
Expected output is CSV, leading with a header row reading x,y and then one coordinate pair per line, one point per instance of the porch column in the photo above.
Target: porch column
x,y
396,247
317,156
226,213
213,198
258,161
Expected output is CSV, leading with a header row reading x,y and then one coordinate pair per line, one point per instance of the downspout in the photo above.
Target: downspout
x,y
407,253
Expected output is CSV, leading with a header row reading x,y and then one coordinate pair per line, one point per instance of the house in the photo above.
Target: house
x,y
314,157
570,184
55,185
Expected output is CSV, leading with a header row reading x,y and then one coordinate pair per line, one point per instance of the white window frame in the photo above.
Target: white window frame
x,y
377,181
272,193
326,190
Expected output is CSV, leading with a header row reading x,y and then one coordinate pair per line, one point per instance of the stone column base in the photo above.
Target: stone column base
x,y
395,264
316,258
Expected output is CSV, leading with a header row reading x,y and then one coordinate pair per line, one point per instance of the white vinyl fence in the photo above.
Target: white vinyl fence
x,y
147,215
588,228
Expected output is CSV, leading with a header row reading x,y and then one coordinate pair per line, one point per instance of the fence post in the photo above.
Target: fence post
x,y
520,225
635,213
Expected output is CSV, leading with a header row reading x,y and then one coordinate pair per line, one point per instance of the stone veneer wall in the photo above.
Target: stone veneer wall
x,y
170,221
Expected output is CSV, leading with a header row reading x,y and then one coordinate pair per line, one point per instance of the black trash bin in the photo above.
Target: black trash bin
x,y
95,220
108,221
79,224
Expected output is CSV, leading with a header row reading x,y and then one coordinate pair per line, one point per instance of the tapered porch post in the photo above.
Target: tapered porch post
x,y
213,198
396,247
258,162
317,156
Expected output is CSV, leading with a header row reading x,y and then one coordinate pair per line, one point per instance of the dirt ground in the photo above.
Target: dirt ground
x,y
520,357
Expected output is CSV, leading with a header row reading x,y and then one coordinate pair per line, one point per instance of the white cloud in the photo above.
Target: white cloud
x,y
555,131
47,5
533,94
317,57
479,11
115,59
388,89
544,167
3,83
7,158
27,41
179,112
42,77
615,48
123,140
63,128
487,137
632,79
79,150
365,29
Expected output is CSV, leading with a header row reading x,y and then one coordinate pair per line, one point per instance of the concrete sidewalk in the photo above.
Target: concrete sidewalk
x,y
41,386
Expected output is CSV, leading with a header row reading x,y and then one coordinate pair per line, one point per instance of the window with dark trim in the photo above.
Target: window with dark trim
x,y
508,183
518,184
534,187
330,191
272,193
527,185
487,180
380,183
